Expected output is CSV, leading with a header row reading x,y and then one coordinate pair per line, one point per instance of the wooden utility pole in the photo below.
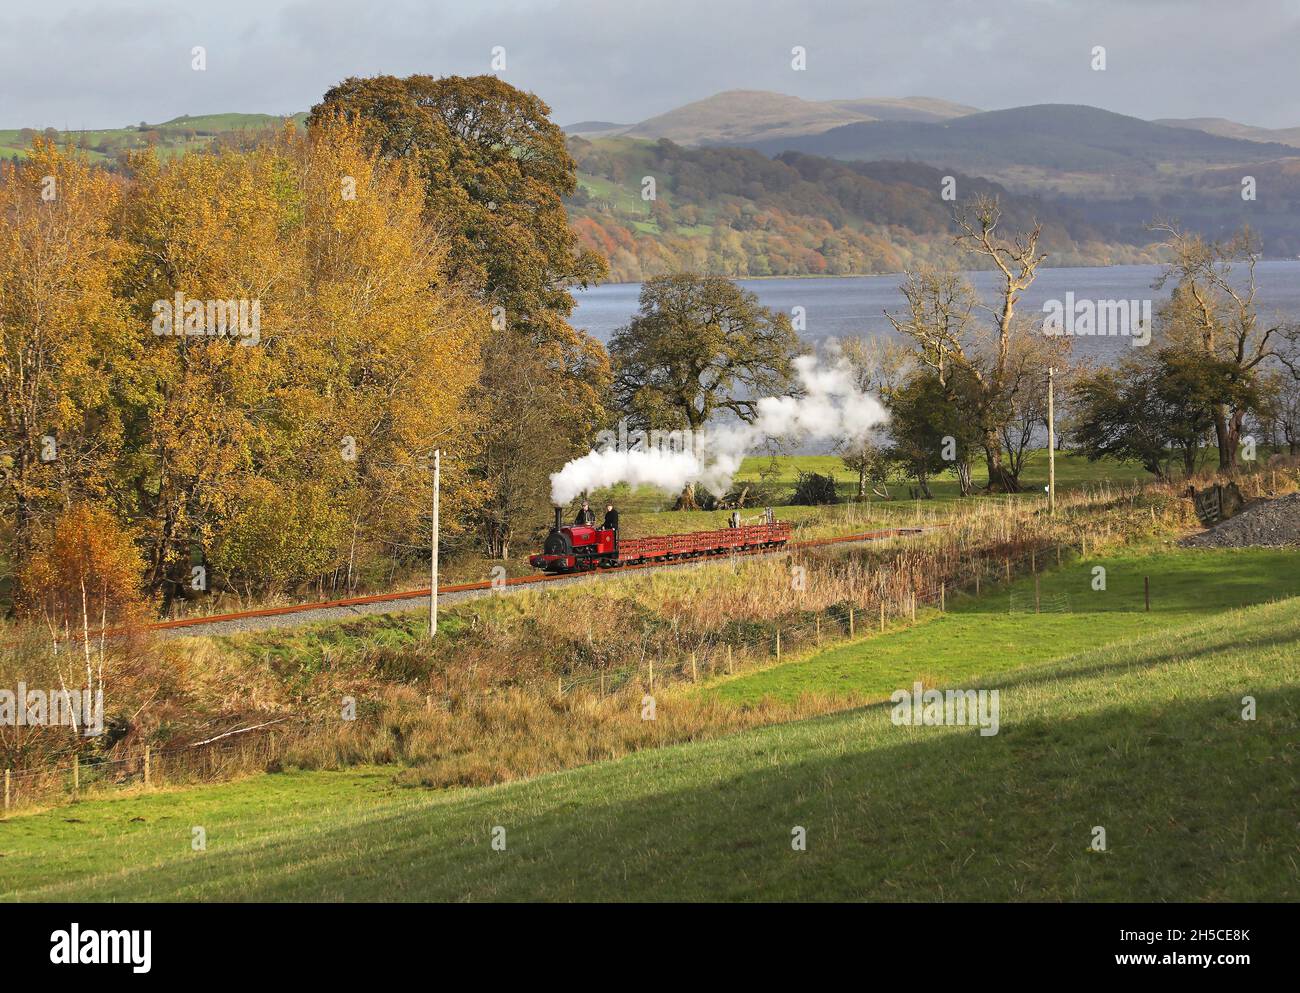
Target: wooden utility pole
x,y
433,556
1051,439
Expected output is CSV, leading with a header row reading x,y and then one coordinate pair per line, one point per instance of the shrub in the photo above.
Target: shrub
x,y
814,489
84,571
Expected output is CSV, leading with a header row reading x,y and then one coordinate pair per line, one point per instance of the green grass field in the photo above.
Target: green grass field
x,y
1142,736
979,638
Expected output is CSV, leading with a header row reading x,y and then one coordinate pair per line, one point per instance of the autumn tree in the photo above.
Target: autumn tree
x,y
1212,309
64,338
495,171
1016,260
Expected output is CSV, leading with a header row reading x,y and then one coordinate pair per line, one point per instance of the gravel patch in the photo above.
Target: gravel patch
x,y
1269,524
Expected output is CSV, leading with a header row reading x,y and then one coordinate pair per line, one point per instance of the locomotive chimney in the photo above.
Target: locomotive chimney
x,y
559,518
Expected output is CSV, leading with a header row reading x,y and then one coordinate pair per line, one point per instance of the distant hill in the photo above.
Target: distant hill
x,y
745,116
1057,150
1231,129
595,128
1064,147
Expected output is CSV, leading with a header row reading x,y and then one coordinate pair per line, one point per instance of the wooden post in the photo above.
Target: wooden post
x,y
602,682
728,658
1033,561
147,779
1036,600
943,598
7,771
1146,587
433,552
778,644
850,622
818,622
695,675
428,702
652,675
912,603
1058,555
559,687
76,776
1051,441
882,615
977,580
1008,562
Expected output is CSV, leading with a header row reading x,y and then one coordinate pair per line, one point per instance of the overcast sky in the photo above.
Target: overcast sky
x,y
70,64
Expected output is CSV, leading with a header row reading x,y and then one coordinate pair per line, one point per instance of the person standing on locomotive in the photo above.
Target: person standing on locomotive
x,y
585,516
610,523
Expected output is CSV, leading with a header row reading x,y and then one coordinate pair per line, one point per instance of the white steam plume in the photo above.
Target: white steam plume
x,y
831,407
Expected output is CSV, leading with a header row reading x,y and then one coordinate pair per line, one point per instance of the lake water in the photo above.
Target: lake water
x,y
843,306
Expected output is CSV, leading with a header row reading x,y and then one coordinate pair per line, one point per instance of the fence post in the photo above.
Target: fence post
x,y
559,687
602,682
882,615
146,765
818,622
778,644
850,622
1036,609
912,603
76,776
652,674
977,580
1033,560
728,658
7,771
1007,560
695,676
1058,555
943,598
428,702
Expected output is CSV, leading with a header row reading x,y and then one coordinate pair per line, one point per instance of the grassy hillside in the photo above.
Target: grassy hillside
x,y
1143,737
175,137
979,638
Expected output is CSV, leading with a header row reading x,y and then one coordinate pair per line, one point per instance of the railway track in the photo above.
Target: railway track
x,y
268,618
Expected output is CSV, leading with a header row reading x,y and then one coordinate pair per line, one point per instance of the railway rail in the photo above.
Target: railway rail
x,y
368,604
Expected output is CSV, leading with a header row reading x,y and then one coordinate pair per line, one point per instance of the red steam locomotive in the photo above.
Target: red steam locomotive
x,y
576,547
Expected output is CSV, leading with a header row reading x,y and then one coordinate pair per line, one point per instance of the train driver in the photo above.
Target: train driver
x,y
611,518
585,516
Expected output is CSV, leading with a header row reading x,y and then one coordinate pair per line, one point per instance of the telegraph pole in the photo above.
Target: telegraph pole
x,y
433,557
1051,440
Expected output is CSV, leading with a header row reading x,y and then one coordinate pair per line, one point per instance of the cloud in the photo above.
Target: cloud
x,y
88,64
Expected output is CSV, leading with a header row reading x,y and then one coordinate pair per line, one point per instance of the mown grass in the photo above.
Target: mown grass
x,y
981,637
1144,738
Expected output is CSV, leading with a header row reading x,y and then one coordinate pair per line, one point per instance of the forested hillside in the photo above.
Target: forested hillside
x,y
737,212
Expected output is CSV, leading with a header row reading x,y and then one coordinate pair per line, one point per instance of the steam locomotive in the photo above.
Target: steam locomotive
x,y
580,547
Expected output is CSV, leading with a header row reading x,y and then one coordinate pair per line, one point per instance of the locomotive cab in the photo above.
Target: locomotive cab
x,y
573,546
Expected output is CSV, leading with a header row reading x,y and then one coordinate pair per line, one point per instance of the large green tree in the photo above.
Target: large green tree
x,y
700,345
696,346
